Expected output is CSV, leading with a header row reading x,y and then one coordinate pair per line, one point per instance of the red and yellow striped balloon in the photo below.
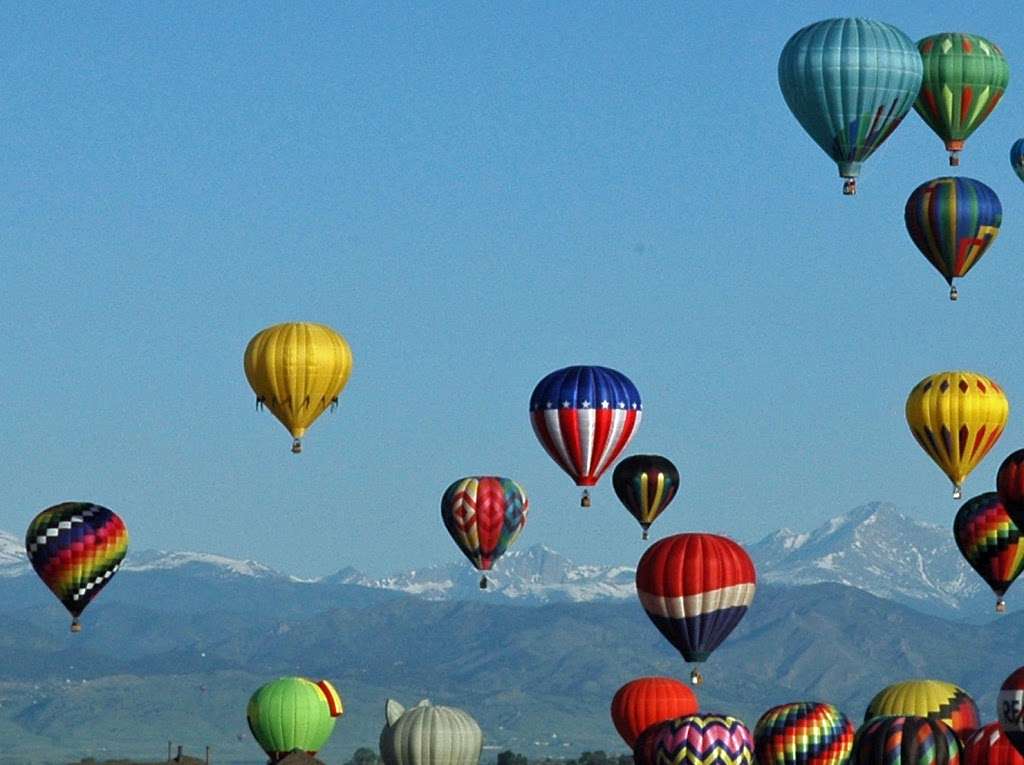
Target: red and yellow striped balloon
x,y
991,542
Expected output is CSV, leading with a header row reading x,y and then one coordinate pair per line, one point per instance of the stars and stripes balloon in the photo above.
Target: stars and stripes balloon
x,y
1010,708
75,548
934,699
803,733
696,589
957,417
905,740
642,702
645,484
990,542
584,417
991,746
849,82
484,515
953,222
705,738
964,79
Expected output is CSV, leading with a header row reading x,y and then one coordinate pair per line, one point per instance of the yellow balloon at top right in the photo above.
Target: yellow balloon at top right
x,y
957,417
297,370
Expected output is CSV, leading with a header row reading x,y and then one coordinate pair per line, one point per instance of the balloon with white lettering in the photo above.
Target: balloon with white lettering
x,y
1009,707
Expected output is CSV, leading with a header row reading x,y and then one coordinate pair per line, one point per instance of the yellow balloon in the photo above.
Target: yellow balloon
x,y
935,699
297,370
957,417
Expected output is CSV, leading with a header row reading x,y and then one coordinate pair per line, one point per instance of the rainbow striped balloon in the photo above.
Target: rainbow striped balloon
x,y
702,739
75,548
803,733
905,741
991,542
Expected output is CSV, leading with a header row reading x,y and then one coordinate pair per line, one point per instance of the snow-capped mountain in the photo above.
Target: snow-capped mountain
x,y
220,565
877,549
537,574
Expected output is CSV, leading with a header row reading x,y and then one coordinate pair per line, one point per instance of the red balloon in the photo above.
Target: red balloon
x,y
990,746
643,702
1010,485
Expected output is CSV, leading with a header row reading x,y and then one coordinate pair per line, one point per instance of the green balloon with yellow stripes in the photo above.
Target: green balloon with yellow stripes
x,y
645,484
965,76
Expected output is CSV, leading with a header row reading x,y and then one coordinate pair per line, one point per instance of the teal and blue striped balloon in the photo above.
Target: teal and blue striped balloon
x,y
850,82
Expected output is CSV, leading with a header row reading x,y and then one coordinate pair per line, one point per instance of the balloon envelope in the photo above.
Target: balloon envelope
x,y
957,417
1010,708
293,713
990,746
297,370
934,699
953,222
964,78
803,733
905,740
75,548
641,703
584,417
484,515
990,541
849,82
696,589
706,738
645,484
1010,485
1017,157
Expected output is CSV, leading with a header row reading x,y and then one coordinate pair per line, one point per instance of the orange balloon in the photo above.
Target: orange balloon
x,y
646,701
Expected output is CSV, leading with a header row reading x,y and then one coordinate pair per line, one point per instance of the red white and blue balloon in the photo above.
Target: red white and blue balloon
x,y
584,417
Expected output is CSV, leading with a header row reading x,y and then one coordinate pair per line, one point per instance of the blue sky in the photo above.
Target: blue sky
x,y
475,195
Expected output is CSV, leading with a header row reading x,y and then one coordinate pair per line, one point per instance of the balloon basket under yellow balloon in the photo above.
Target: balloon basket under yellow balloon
x,y
296,446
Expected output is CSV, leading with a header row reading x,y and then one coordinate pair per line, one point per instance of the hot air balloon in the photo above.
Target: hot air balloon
x,y
990,541
695,588
643,749
934,699
584,417
297,370
707,738
1017,157
990,746
964,78
484,515
953,222
1010,708
1010,485
803,733
75,548
293,713
429,735
905,740
957,417
849,82
645,484
641,703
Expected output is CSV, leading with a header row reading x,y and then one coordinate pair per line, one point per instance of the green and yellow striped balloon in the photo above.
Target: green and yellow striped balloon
x,y
964,78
